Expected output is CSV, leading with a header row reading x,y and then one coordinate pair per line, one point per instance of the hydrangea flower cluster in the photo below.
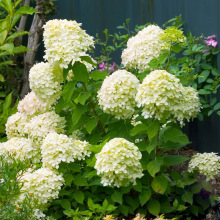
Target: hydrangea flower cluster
x,y
207,164
45,81
31,105
58,147
119,162
21,149
117,94
172,35
142,48
42,185
162,95
40,125
16,125
65,42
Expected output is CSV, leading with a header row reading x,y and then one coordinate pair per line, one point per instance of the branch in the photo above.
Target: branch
x,y
95,113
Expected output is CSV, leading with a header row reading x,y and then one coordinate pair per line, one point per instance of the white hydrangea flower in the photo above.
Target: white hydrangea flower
x,y
65,42
16,125
119,162
189,106
159,94
207,164
21,149
134,122
45,81
142,48
162,96
31,105
43,185
40,125
38,214
58,147
77,134
117,94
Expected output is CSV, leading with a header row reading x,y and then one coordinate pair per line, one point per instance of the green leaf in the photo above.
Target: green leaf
x,y
187,197
7,103
194,209
65,204
16,34
204,92
206,66
7,5
20,49
68,91
117,197
210,112
9,47
138,186
218,113
26,10
144,196
3,36
79,196
159,184
68,179
91,124
123,209
95,148
215,72
80,181
172,160
77,113
88,60
140,128
175,135
6,63
83,97
217,106
152,129
80,72
153,167
204,75
98,75
153,207
176,48
2,78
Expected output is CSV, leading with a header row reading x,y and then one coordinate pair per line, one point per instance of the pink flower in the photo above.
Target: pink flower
x,y
204,51
113,67
102,66
211,42
211,37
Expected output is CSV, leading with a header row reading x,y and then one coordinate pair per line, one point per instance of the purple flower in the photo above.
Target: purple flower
x,y
113,67
211,42
102,66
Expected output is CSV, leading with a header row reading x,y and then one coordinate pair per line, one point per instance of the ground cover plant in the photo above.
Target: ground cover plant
x,y
95,144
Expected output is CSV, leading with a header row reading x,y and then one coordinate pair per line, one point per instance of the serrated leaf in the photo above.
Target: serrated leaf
x,y
117,197
144,196
68,179
140,128
80,72
65,204
98,75
153,207
79,196
159,184
153,167
80,181
91,124
172,160
123,209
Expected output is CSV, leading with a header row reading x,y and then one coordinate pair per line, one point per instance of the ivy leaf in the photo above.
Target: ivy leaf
x,y
154,207
79,196
80,72
159,184
144,196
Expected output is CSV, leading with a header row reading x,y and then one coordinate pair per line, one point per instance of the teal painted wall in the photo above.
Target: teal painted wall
x,y
200,17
